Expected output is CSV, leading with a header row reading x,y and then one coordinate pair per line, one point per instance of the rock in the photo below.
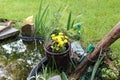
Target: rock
x,y
29,20
56,77
14,47
28,30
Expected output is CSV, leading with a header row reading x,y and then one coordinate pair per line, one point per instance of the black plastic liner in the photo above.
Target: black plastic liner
x,y
31,38
37,68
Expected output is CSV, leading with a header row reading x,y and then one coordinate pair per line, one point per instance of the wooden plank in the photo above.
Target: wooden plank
x,y
8,33
5,26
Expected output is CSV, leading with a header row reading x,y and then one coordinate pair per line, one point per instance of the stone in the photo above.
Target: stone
x,y
28,30
14,47
56,77
28,20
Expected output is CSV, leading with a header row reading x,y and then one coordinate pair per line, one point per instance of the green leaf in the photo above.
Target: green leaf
x,y
69,20
96,66
64,76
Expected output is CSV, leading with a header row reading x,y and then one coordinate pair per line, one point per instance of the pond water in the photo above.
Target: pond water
x,y
17,58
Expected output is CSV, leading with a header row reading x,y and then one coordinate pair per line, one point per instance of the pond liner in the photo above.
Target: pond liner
x,y
37,68
31,38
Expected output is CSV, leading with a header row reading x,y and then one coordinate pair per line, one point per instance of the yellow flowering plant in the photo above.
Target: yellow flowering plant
x,y
59,41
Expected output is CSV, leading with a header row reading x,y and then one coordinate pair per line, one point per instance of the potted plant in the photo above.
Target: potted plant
x,y
58,51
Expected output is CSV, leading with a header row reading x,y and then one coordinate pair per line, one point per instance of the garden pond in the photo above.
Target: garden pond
x,y
17,58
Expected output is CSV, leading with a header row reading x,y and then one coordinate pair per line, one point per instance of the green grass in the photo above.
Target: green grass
x,y
18,10
98,16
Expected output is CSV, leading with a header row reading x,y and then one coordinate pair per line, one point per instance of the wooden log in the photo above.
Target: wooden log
x,y
111,37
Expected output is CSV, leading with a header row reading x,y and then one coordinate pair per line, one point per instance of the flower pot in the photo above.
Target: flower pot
x,y
60,60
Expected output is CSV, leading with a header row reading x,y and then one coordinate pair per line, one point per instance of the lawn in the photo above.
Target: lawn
x,y
98,17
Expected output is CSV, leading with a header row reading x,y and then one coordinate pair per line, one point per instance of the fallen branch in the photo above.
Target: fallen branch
x,y
111,37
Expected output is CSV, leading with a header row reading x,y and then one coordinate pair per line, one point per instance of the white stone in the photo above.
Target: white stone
x,y
56,77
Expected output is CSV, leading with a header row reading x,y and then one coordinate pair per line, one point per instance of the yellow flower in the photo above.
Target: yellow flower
x,y
54,38
58,41
53,35
61,43
57,48
66,37
58,38
61,33
65,41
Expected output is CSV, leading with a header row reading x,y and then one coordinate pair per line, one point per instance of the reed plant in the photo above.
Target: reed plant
x,y
42,23
97,64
